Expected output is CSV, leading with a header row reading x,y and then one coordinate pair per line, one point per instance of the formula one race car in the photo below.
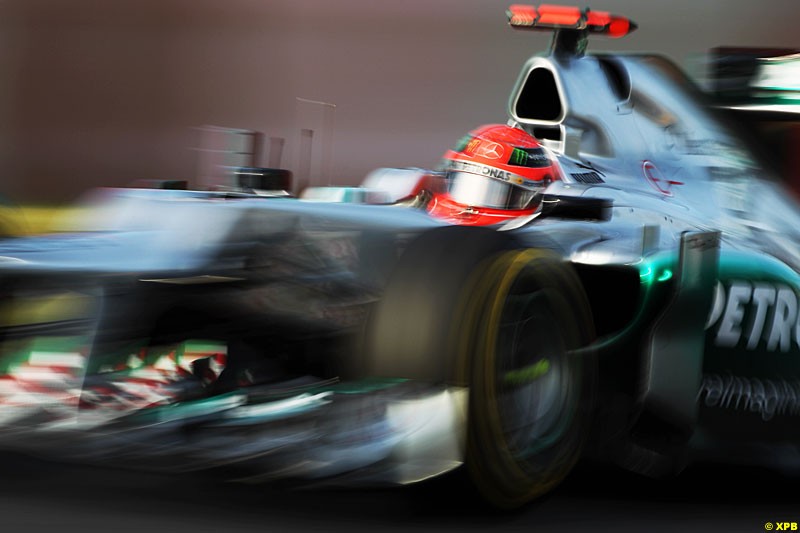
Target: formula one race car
x,y
644,312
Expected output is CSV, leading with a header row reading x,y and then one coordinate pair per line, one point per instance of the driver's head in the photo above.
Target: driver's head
x,y
497,170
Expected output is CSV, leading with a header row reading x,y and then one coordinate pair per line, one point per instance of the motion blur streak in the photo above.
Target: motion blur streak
x,y
102,95
223,344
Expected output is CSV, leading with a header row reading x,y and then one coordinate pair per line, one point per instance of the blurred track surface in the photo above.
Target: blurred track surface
x,y
40,496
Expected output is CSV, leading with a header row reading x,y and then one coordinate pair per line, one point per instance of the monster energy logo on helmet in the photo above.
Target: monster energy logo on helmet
x,y
522,157
529,157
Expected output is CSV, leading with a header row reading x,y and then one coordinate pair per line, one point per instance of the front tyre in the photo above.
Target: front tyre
x,y
531,375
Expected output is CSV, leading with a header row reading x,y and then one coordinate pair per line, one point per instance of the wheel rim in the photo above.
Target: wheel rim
x,y
534,379
531,384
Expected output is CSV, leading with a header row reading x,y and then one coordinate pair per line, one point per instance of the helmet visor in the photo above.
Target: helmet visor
x,y
471,189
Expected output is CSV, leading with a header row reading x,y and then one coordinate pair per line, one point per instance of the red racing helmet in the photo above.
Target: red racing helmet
x,y
496,172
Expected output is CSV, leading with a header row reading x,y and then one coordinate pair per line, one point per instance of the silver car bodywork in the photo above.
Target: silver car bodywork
x,y
687,222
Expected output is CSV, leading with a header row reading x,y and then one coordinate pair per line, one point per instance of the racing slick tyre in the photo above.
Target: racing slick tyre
x,y
470,308
531,376
411,330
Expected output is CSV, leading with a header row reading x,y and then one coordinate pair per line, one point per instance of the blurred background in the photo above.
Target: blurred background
x,y
98,92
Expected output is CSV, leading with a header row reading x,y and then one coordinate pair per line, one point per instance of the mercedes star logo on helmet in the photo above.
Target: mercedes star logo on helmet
x,y
490,150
